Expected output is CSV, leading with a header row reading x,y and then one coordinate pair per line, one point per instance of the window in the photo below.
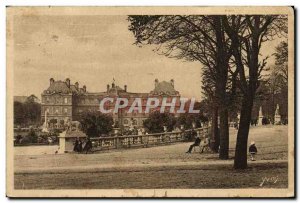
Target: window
x,y
125,121
134,122
66,100
65,110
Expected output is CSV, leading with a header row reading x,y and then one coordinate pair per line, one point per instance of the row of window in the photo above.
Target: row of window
x,y
56,100
66,100
57,110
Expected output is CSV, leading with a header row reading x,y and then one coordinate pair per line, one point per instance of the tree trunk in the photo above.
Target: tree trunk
x,y
215,140
222,76
224,134
240,159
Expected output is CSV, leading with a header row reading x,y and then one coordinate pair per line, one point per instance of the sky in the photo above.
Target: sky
x,y
93,50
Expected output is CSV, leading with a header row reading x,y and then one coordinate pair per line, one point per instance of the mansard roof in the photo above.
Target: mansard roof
x,y
64,87
132,94
61,87
73,88
58,87
164,88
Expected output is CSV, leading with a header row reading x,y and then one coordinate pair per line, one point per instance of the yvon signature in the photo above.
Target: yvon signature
x,y
272,180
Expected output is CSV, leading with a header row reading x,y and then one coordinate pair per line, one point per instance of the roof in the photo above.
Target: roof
x,y
62,87
73,88
161,88
132,94
58,86
115,89
164,88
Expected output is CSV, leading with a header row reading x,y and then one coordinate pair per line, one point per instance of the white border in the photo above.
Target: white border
x,y
102,3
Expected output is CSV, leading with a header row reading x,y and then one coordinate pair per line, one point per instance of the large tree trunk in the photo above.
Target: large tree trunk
x,y
224,132
240,159
222,75
215,139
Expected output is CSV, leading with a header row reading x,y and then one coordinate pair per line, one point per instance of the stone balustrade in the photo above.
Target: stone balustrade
x,y
147,140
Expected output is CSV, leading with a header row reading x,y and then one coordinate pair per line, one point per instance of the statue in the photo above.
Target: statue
x,y
277,110
260,111
277,120
260,116
165,128
45,125
73,125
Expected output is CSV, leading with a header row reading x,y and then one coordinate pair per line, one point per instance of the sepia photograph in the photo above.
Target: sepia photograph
x,y
150,102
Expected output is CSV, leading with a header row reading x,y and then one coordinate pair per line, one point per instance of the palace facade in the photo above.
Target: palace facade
x,y
66,101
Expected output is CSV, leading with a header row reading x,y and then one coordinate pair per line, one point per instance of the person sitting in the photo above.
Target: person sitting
x,y
88,146
76,143
252,150
196,143
205,145
79,146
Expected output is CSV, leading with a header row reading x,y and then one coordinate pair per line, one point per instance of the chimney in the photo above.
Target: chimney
x,y
156,82
107,88
84,88
172,82
51,81
125,88
68,82
77,85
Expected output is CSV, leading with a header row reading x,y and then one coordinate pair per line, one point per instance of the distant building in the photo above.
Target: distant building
x,y
65,101
23,99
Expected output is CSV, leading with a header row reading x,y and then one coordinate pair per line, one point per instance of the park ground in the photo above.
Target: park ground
x,y
166,166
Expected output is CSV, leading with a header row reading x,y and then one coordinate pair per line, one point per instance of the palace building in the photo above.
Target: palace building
x,y
65,101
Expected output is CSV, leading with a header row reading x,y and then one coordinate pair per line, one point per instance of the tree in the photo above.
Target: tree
x,y
156,121
52,122
279,81
95,124
281,60
27,113
193,38
247,34
187,120
32,110
19,114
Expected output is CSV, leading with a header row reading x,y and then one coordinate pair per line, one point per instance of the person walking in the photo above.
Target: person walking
x,y
252,150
